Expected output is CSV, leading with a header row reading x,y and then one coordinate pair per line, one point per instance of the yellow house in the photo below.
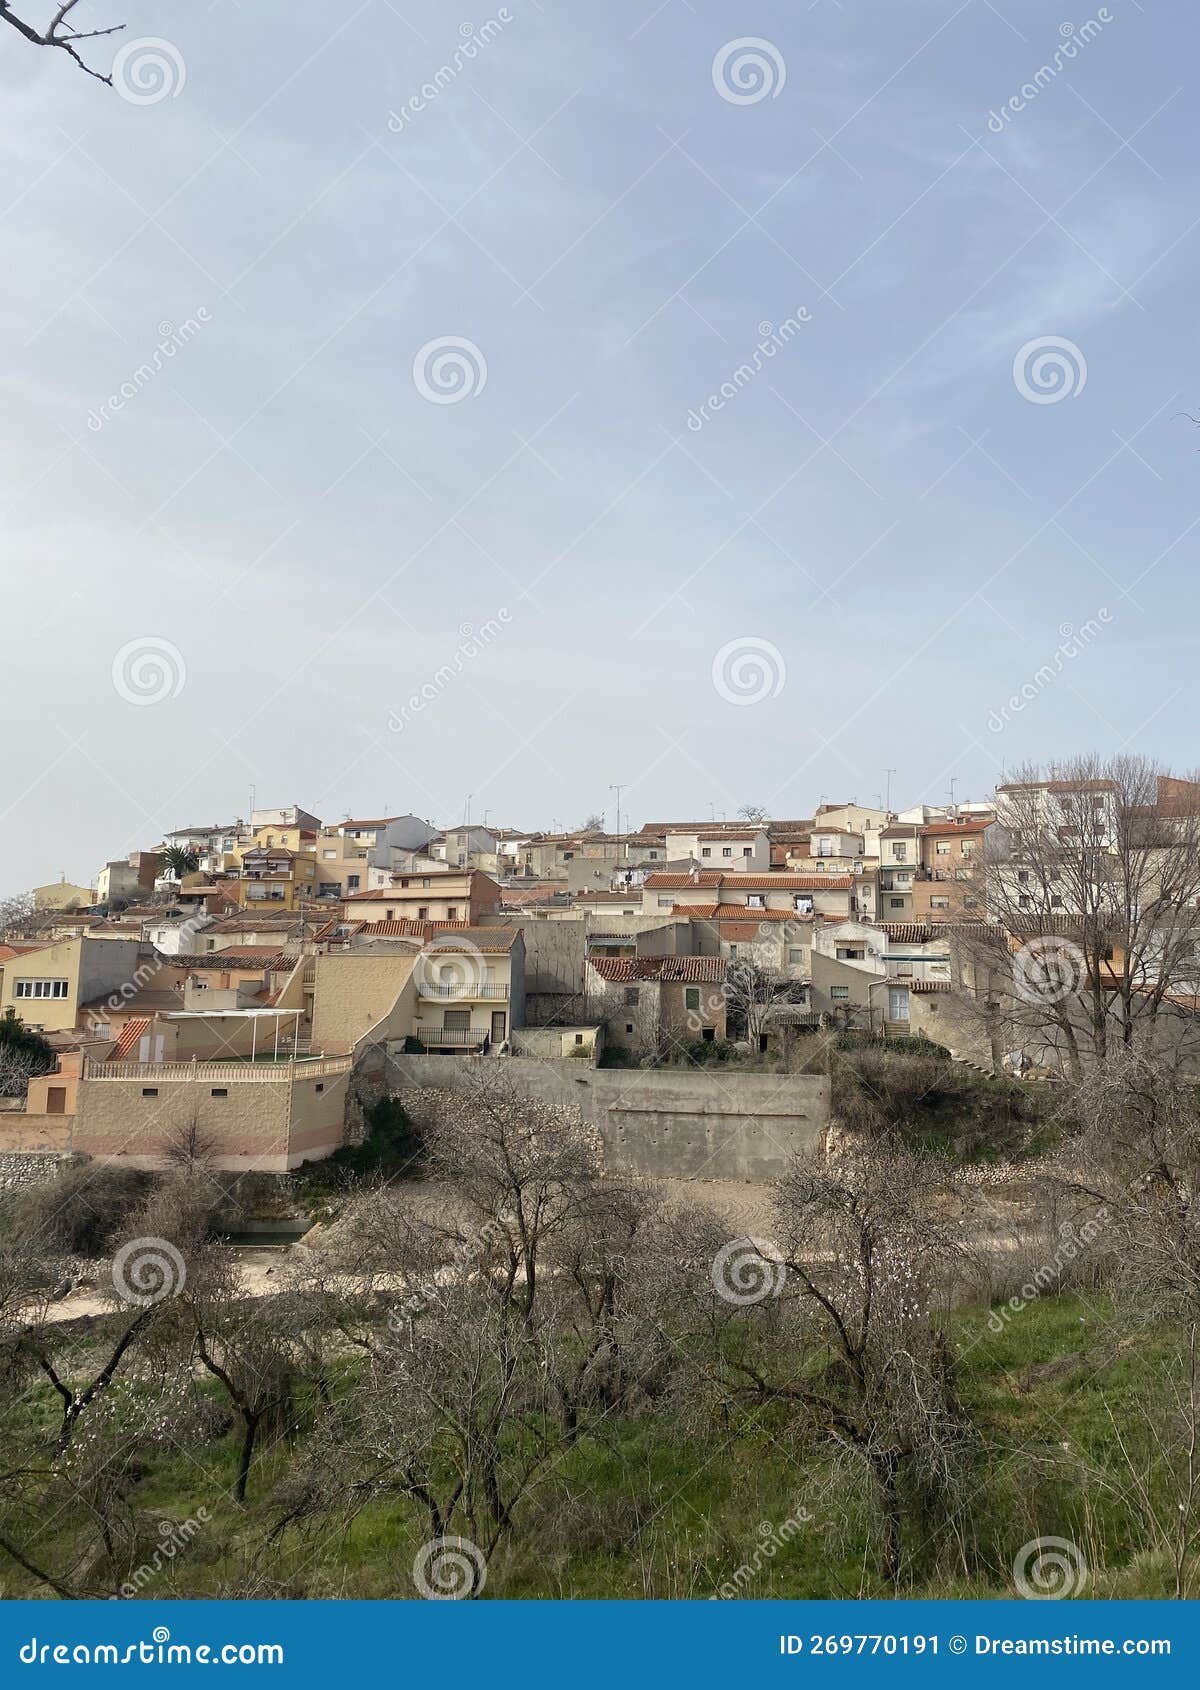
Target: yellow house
x,y
46,987
298,839
275,876
61,895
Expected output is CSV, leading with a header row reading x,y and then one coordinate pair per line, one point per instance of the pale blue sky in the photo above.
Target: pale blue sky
x,y
881,504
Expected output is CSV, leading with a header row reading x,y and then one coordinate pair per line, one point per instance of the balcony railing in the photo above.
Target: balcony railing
x,y
464,990
264,1069
432,1036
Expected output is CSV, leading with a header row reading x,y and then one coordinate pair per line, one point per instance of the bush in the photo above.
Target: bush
x,y
933,1102
84,1211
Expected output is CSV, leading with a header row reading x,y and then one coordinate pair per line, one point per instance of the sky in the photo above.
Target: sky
x,y
359,368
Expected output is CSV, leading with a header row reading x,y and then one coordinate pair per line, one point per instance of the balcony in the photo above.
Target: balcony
x,y
464,992
432,1037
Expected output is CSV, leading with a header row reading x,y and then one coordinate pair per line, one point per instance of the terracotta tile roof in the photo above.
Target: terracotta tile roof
x,y
497,941
714,879
405,929
690,970
238,956
678,882
7,952
941,830
131,1032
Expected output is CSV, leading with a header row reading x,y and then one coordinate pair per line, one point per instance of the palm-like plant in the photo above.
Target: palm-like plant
x,y
178,860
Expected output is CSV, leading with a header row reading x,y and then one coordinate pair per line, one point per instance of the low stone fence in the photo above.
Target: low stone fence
x,y
672,1123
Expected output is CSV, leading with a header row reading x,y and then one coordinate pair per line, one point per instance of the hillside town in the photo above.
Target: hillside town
x,y
258,981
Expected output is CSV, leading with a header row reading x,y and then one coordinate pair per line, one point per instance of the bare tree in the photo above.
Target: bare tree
x,y
848,1343
754,813
58,32
1091,882
752,994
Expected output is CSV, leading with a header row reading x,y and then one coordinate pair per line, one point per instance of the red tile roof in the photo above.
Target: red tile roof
x,y
691,970
131,1032
939,830
713,879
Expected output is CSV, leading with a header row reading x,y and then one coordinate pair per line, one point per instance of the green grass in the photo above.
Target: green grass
x,y
655,1511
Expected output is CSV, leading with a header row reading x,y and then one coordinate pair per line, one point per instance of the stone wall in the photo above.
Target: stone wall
x,y
666,1123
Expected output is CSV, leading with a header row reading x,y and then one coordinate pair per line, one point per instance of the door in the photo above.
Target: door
x,y
497,1026
56,1100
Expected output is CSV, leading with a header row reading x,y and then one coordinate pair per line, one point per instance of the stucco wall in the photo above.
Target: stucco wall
x,y
354,991
677,1123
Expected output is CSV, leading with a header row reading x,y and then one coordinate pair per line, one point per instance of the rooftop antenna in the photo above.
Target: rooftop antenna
x,y
887,798
467,811
618,788
953,784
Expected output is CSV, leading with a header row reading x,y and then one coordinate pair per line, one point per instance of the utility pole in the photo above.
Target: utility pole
x,y
618,788
887,798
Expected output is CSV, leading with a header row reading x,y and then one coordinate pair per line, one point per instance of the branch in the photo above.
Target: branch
x,y
59,34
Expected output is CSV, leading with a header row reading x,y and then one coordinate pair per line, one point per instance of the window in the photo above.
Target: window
x,y
839,992
942,847
328,854
629,1026
899,850
1022,877
352,882
733,950
904,970
968,847
567,856
691,997
423,912
665,903
1025,903
896,903
579,1038
404,885
149,1091
708,1034
631,997
795,954
40,988
754,901
747,851
727,850
320,1085
219,1091
391,915
970,903
451,912
706,850
939,903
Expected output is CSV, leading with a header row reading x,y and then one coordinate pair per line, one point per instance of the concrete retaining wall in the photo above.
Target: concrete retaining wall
x,y
667,1123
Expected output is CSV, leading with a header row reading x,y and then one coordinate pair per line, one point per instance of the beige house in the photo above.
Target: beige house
x,y
62,895
48,987
649,1006
455,895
